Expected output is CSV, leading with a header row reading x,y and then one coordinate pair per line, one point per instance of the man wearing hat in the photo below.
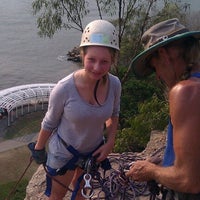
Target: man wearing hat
x,y
173,53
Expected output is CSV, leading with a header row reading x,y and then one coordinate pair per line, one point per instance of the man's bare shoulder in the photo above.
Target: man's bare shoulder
x,y
187,89
184,100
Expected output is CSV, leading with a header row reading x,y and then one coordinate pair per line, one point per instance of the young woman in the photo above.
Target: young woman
x,y
80,106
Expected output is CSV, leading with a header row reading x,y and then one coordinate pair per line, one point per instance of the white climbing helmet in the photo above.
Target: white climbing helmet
x,y
100,33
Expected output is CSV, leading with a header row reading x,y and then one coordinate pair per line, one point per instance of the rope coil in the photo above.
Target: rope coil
x,y
116,185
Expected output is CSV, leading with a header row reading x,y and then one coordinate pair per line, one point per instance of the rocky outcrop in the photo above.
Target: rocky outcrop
x,y
36,187
155,148
74,55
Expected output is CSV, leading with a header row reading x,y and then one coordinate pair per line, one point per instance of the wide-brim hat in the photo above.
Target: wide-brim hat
x,y
157,36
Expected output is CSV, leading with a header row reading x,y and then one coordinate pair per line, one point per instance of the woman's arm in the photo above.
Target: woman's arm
x,y
42,139
111,129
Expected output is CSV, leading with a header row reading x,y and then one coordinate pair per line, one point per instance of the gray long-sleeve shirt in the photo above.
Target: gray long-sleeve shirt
x,y
77,122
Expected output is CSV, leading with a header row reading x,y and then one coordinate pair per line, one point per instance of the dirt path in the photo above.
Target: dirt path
x,y
6,145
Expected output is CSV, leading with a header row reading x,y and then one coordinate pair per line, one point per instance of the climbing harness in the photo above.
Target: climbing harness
x,y
86,162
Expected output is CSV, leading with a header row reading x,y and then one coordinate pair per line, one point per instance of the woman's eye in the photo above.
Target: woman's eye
x,y
91,59
104,61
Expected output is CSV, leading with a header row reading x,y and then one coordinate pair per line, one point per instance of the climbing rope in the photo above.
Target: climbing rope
x,y
114,184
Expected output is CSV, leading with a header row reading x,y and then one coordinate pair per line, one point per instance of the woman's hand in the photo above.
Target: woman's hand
x,y
102,152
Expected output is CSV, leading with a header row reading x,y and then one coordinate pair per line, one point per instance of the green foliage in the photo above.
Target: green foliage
x,y
170,10
51,19
153,114
136,91
55,14
19,194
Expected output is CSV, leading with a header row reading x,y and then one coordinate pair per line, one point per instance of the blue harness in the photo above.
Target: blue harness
x,y
169,155
78,160
196,74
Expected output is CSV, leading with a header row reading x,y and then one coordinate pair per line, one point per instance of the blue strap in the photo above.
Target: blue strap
x,y
51,172
73,151
48,186
77,187
105,164
69,147
196,74
169,155
71,164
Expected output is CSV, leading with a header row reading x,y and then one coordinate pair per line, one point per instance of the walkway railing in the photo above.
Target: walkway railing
x,y
24,98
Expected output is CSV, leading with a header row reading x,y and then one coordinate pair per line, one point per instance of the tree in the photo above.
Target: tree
x,y
57,14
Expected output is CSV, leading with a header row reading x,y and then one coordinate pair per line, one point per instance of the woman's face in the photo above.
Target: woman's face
x,y
97,61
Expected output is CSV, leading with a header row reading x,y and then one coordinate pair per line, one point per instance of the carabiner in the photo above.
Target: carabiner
x,y
87,191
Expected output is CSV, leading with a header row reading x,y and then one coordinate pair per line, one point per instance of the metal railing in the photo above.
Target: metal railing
x,y
24,98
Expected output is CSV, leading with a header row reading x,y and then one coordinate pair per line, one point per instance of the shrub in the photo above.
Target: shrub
x,y
152,115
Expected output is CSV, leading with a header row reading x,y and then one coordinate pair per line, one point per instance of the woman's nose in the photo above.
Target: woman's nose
x,y
97,66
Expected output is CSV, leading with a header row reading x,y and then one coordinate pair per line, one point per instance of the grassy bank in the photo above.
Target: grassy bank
x,y
15,161
24,125
13,164
20,193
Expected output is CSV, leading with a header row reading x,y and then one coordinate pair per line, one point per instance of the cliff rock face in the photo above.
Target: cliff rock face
x,y
155,147
36,187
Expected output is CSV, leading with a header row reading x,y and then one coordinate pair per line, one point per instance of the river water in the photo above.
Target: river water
x,y
25,58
